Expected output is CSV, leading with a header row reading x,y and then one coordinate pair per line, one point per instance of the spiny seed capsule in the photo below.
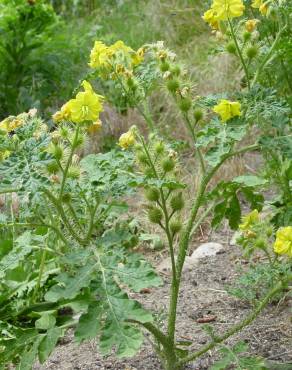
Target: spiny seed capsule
x,y
164,66
198,115
246,36
177,203
168,164
252,52
57,152
142,157
260,243
175,226
172,85
185,104
66,198
155,215
74,172
149,172
175,70
152,194
231,48
159,147
53,167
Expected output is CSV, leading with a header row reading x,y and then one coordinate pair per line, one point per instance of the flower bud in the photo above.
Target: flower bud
x,y
185,104
198,114
155,215
74,172
175,70
142,157
175,226
168,164
53,167
57,152
177,203
66,197
164,66
159,147
260,243
152,194
252,52
246,36
149,172
172,85
231,48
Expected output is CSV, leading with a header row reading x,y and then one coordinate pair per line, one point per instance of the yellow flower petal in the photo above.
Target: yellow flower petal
x,y
283,243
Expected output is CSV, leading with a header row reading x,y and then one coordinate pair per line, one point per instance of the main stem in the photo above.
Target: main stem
x,y
186,235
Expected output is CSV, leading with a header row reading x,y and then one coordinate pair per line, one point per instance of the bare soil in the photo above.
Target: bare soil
x,y
203,293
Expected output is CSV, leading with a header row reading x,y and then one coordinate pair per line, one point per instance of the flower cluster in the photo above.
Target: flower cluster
x,y
222,10
86,106
11,123
118,58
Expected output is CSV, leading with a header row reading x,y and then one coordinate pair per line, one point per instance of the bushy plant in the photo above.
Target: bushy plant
x,y
67,257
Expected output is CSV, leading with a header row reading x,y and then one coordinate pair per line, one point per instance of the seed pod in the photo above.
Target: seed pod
x,y
260,243
66,198
53,167
172,85
152,194
198,115
74,172
175,70
164,66
149,172
246,36
175,226
57,152
155,215
185,104
177,203
159,147
252,52
142,157
231,48
168,164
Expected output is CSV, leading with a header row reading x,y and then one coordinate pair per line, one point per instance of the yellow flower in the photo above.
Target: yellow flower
x,y
11,123
227,109
100,54
95,127
86,106
138,57
283,243
225,9
120,46
249,219
127,139
261,5
251,24
64,114
210,17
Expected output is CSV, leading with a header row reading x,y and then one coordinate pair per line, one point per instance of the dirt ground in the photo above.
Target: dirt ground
x,y
203,293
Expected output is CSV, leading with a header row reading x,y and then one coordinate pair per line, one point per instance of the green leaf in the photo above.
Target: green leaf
x,y
49,342
233,212
46,321
69,286
28,358
250,180
89,324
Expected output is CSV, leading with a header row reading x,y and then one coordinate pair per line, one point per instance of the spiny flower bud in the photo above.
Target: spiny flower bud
x,y
159,147
198,114
57,152
177,203
252,52
164,66
74,172
152,194
53,167
185,104
231,48
172,85
66,197
175,70
168,164
175,226
155,215
142,157
246,36
260,243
